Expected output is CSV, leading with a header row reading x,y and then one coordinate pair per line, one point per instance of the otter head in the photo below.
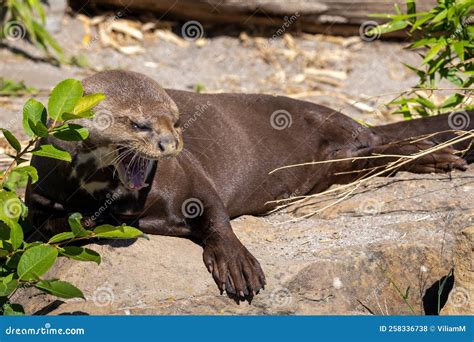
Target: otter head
x,y
137,123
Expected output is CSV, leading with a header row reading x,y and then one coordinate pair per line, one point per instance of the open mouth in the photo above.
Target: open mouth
x,y
133,170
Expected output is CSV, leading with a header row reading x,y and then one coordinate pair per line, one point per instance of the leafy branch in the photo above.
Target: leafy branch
x,y
23,264
27,19
443,38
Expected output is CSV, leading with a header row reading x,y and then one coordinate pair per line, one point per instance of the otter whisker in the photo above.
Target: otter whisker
x,y
114,150
121,156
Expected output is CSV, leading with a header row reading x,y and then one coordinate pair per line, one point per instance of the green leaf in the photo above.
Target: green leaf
x,y
36,261
423,42
434,51
452,101
80,253
39,129
421,110
64,98
12,140
120,232
440,16
50,151
76,226
88,102
13,310
8,285
71,132
34,113
45,39
437,65
87,115
36,4
18,177
388,27
459,49
26,18
61,237
59,288
30,171
16,235
425,102
32,244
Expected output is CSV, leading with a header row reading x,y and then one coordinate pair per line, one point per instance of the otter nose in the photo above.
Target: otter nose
x,y
167,143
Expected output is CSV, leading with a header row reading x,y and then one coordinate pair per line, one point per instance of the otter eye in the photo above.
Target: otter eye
x,y
140,127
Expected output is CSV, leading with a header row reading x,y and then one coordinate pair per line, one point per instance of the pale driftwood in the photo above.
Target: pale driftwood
x,y
341,17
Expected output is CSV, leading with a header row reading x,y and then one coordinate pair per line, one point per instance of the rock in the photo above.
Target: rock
x,y
380,252
461,297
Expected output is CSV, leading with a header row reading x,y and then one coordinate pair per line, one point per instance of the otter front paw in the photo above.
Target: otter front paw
x,y
436,161
443,160
234,269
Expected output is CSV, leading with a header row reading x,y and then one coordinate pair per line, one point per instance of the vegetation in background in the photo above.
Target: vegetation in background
x,y
23,264
12,88
199,87
26,19
444,38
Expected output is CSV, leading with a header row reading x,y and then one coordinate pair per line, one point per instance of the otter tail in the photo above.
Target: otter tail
x,y
461,120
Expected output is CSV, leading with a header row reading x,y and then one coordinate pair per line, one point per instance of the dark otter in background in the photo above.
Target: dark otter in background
x,y
180,163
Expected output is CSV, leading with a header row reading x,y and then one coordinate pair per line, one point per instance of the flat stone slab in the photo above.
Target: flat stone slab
x,y
397,231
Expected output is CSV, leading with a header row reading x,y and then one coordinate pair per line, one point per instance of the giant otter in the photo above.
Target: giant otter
x,y
182,164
